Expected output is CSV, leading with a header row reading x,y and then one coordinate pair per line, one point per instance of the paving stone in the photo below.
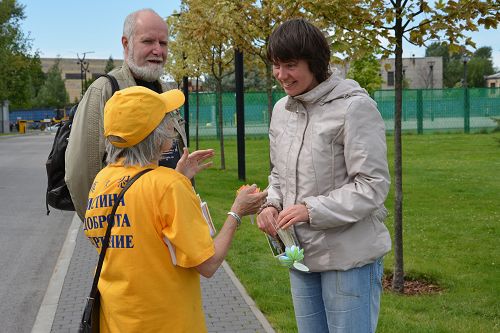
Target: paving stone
x,y
224,306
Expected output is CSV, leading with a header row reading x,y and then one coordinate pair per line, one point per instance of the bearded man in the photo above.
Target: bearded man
x,y
144,40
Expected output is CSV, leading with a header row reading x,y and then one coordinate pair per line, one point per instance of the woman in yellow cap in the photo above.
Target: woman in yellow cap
x,y
160,242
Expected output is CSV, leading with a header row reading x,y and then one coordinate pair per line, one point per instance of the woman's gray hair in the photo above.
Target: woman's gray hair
x,y
130,22
145,152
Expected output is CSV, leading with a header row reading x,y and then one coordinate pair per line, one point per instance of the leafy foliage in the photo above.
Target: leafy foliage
x,y
21,72
366,71
199,46
478,66
253,76
110,65
53,92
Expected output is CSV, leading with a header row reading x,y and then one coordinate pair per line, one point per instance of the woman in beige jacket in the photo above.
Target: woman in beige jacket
x,y
328,183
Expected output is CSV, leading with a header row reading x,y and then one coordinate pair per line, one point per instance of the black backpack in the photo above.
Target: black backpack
x,y
57,191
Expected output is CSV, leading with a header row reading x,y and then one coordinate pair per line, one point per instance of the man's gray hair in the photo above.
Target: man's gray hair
x,y
145,152
131,20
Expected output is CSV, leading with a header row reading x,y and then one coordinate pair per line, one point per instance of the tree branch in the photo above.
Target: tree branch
x,y
412,16
409,41
421,24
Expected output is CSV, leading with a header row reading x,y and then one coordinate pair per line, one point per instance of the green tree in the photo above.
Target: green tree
x,y
20,72
250,24
254,77
451,73
437,49
110,65
479,66
200,47
53,92
366,71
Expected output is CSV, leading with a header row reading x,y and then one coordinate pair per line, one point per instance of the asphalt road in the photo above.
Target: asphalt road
x,y
30,241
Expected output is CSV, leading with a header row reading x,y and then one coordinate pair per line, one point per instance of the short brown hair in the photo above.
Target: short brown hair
x,y
298,39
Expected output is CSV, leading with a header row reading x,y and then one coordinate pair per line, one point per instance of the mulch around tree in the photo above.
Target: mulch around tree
x,y
413,287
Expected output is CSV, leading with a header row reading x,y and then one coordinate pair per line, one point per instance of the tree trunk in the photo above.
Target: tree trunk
x,y
269,89
398,278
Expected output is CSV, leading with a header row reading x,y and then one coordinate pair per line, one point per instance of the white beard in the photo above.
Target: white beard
x,y
149,72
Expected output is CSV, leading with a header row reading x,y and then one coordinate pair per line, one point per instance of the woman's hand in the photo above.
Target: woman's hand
x,y
190,164
292,215
266,221
248,201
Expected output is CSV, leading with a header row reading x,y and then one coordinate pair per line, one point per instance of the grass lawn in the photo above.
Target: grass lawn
x,y
451,185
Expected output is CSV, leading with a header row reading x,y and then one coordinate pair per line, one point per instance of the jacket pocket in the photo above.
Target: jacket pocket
x,y
380,214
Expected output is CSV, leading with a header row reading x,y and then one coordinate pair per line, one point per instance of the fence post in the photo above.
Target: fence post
x,y
185,88
240,112
420,112
466,110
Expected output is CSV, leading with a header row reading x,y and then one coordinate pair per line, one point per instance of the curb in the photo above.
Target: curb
x,y
47,311
48,308
250,302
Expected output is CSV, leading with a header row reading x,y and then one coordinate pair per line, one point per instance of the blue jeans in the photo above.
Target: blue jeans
x,y
338,301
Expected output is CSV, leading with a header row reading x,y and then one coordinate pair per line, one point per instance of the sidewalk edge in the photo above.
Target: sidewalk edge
x,y
250,302
48,308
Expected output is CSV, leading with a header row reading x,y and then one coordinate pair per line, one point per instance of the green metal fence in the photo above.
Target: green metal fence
x,y
442,109
423,110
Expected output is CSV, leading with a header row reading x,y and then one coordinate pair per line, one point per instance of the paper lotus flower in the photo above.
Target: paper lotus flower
x,y
252,217
245,186
293,257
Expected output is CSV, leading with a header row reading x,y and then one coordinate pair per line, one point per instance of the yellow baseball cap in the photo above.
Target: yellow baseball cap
x,y
133,113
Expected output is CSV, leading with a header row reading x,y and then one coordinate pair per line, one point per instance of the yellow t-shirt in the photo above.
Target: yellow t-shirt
x,y
141,288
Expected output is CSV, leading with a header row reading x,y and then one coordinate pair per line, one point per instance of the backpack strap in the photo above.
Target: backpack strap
x,y
114,88
114,84
105,243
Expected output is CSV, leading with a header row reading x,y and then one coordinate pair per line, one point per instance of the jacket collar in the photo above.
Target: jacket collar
x,y
328,90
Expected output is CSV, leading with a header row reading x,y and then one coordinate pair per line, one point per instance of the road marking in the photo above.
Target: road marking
x,y
48,308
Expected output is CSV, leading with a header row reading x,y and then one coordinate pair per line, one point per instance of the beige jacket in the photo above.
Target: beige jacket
x,y
85,151
328,151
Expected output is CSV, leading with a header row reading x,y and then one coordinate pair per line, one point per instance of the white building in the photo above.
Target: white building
x,y
418,73
492,81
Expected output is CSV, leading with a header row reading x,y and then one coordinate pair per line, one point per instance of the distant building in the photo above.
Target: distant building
x,y
72,72
493,81
418,73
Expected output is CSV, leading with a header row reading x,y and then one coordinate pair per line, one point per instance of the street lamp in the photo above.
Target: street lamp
x,y
431,73
84,65
465,59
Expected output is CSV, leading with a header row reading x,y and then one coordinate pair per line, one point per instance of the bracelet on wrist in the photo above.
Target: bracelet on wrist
x,y
236,217
269,204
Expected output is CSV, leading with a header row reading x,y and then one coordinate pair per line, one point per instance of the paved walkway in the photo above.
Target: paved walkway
x,y
228,308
